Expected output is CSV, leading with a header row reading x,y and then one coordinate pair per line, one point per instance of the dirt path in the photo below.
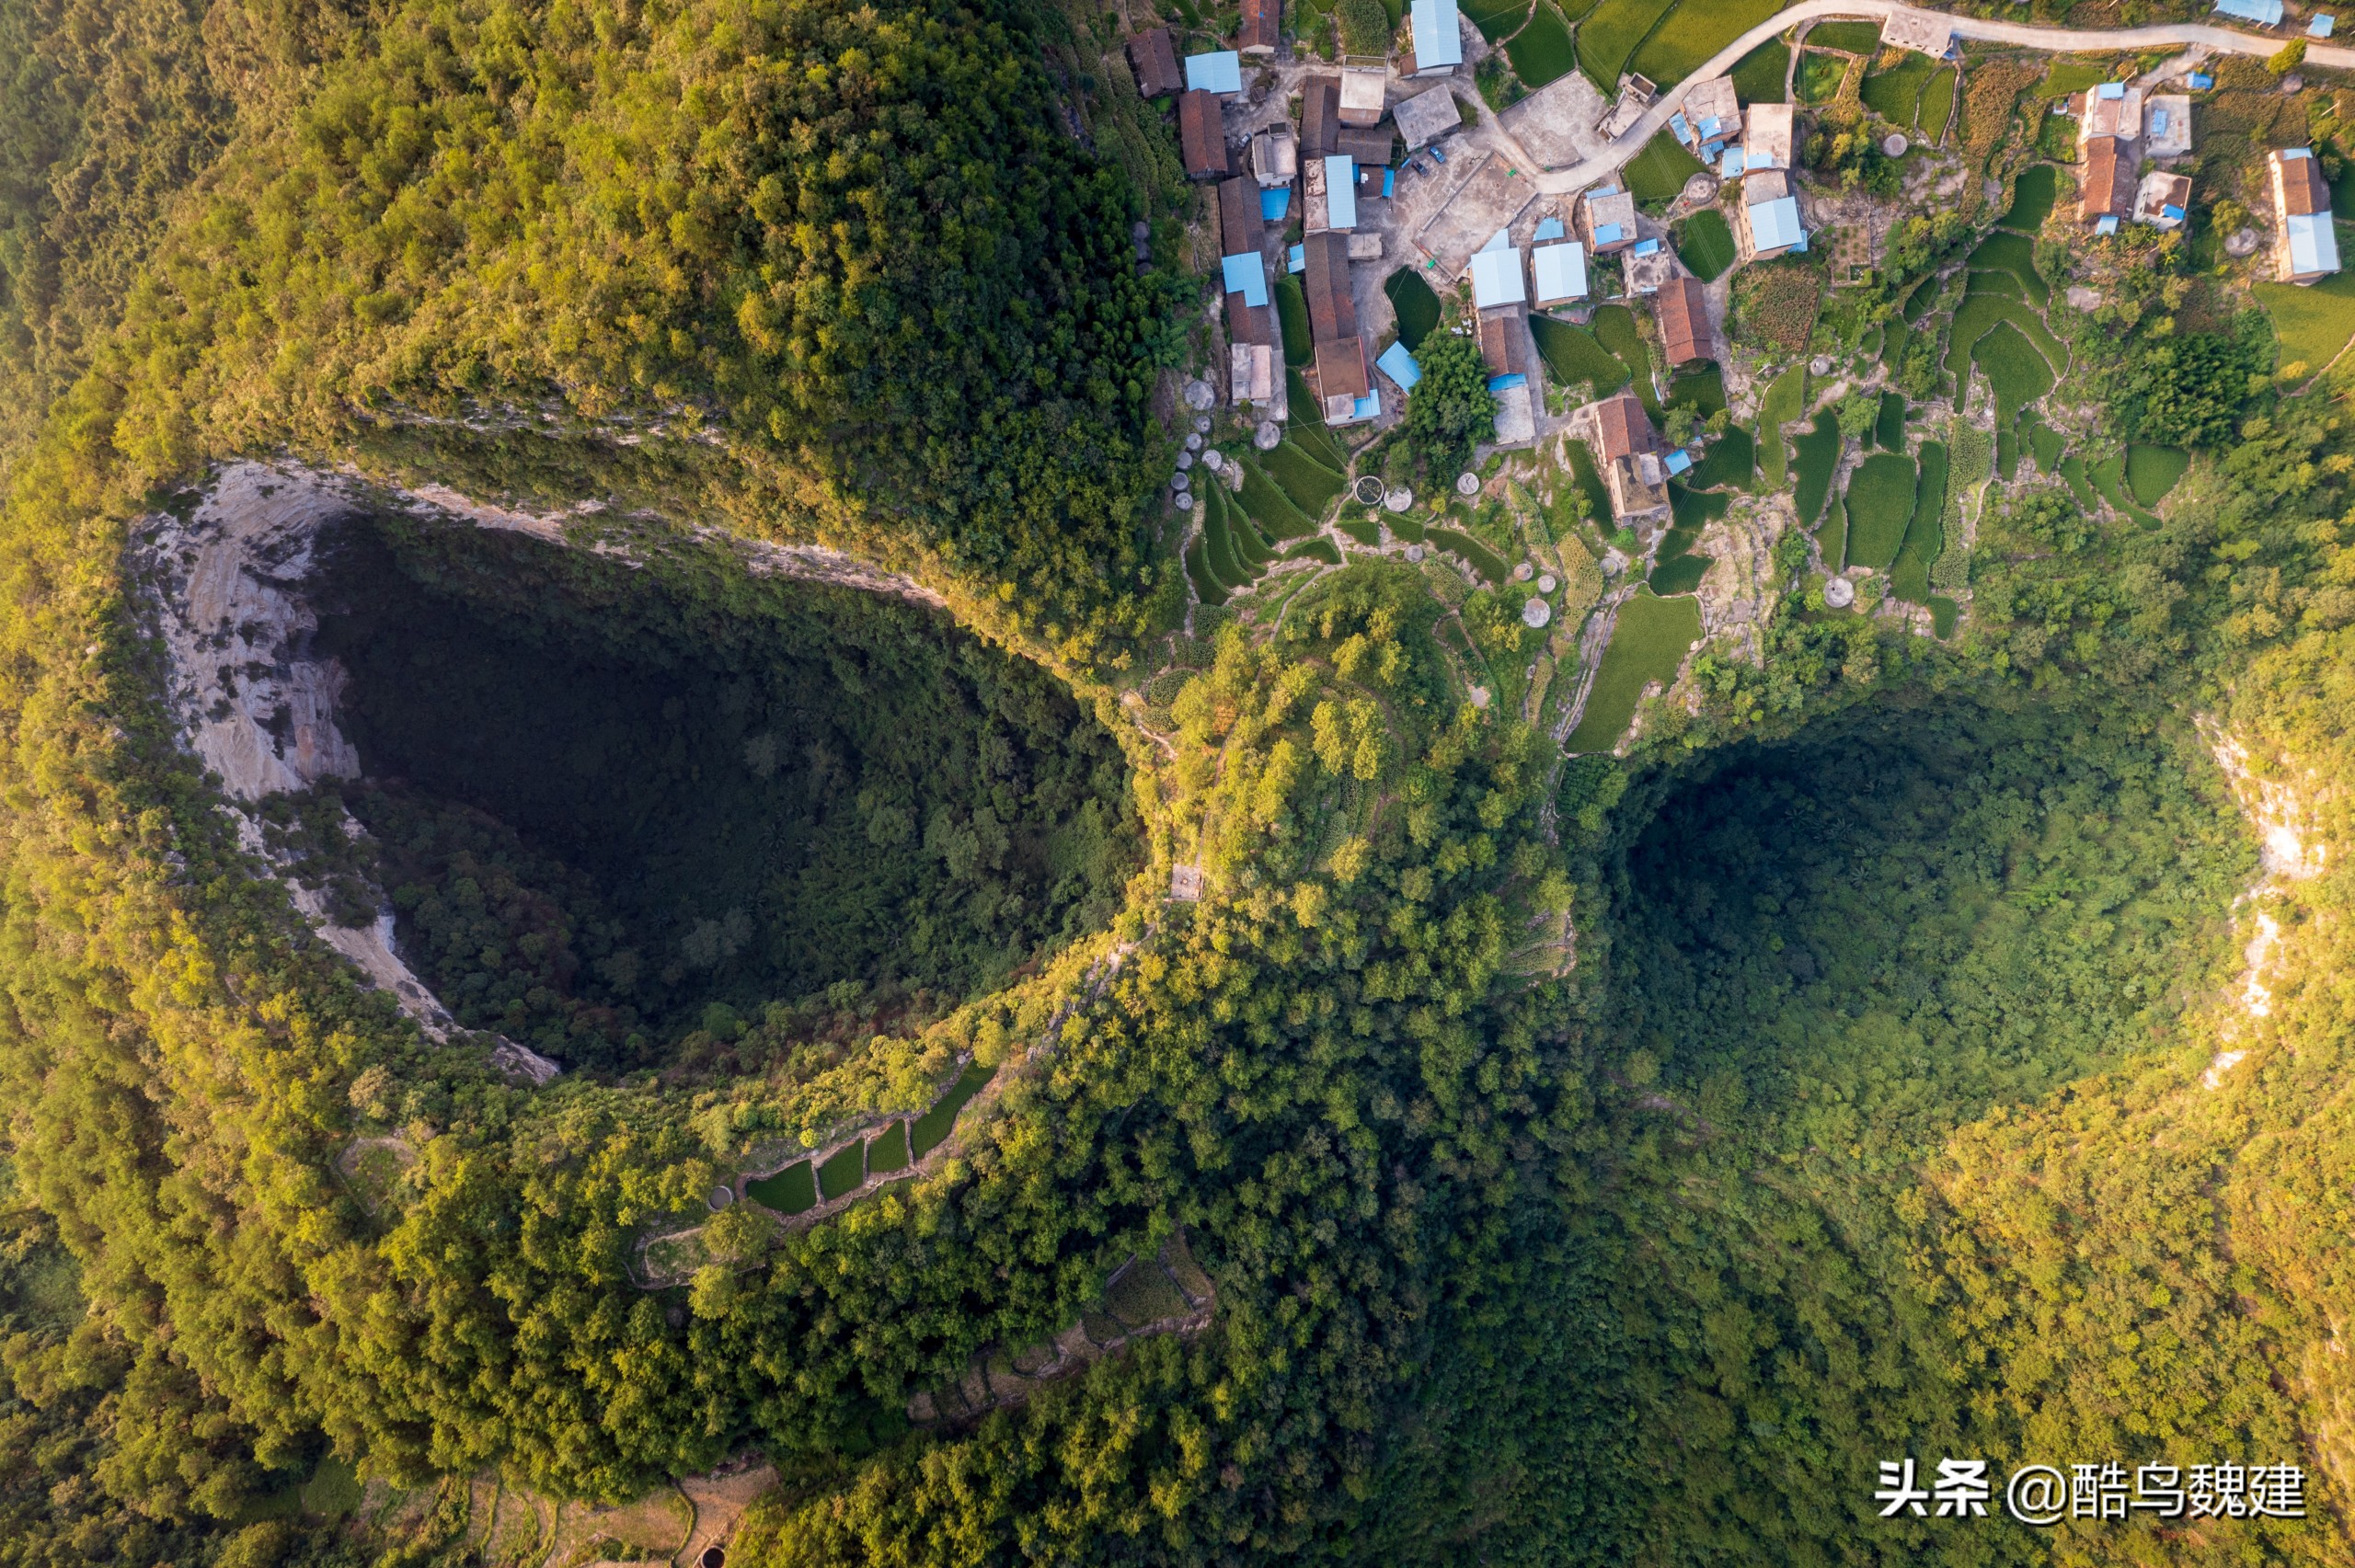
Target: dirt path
x,y
2059,41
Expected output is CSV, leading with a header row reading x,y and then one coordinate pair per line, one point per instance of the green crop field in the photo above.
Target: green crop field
x,y
1249,548
1483,560
1820,77
1937,105
1495,18
1888,425
889,1154
1896,94
1590,481
2017,373
1207,587
1610,36
1657,174
842,1173
2152,471
2313,323
1817,455
2014,256
1758,77
1924,536
1783,402
1856,38
1648,642
1573,355
1881,504
2068,75
1322,550
1272,509
1730,459
1615,327
1921,301
930,1129
1542,51
1318,442
1218,546
1694,31
1703,391
1310,485
1677,569
1831,539
791,1191
1291,309
1706,245
1418,307
1979,314
2110,479
2073,473
2045,443
2032,197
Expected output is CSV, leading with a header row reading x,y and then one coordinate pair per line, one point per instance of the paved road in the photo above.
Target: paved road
x,y
2060,40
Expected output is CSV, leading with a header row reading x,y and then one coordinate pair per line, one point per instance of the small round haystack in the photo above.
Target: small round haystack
x,y
1839,593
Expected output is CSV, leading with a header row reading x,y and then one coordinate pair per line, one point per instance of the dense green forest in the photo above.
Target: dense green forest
x,y
1597,1163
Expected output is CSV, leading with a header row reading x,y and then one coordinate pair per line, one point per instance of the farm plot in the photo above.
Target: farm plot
x,y
1856,38
2032,197
1694,32
1218,544
2013,255
1291,310
791,1191
1483,560
843,1173
1311,484
1418,307
1656,173
1703,390
1573,355
2016,372
1817,455
1783,402
1590,481
1937,105
1896,94
1677,569
2314,323
1881,504
1706,245
1207,587
1541,53
1889,424
1820,77
2152,471
1278,516
926,1132
1758,76
1777,302
1909,575
1982,310
1609,38
1615,327
1648,642
1495,18
1730,459
1831,539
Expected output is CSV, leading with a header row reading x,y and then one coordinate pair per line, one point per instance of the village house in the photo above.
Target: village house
x,y
1330,194
1500,301
1427,117
1768,218
1260,31
1627,451
1201,136
1923,32
1708,119
2107,195
1438,46
1216,71
1155,59
1767,136
1344,388
1275,157
1559,273
2164,200
1684,331
2111,110
2166,125
1365,87
1607,220
2306,246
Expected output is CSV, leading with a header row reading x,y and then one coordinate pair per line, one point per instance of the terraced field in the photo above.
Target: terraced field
x,y
1648,642
1542,51
1690,35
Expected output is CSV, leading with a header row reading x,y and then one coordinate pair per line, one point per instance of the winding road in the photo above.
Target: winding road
x,y
2060,40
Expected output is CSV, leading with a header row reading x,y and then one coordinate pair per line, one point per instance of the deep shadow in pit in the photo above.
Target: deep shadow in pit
x,y
614,802
1859,937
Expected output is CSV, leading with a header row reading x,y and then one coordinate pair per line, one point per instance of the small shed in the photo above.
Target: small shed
x,y
1219,71
1153,57
1439,38
1427,117
1202,135
1399,366
1561,271
2264,13
1275,156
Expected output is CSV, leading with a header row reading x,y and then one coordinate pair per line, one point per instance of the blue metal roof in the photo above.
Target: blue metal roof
x,y
1246,275
2158,122
1498,382
1367,407
1496,279
1220,71
2169,209
1549,228
2110,90
1274,204
1438,41
2264,13
1399,366
2106,224
1297,261
1561,273
2312,247
1774,224
1646,247
1677,461
2320,27
1606,234
1734,163
1676,123
1340,191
